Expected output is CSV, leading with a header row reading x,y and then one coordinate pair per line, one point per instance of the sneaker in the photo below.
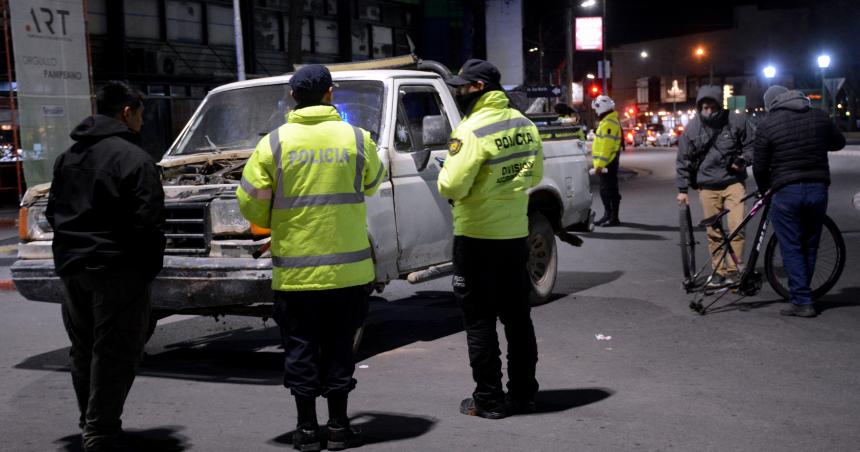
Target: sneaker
x,y
515,406
731,278
611,223
799,310
340,438
307,439
603,220
716,282
470,408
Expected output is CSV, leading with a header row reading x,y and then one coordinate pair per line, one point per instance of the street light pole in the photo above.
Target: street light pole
x,y
570,52
605,66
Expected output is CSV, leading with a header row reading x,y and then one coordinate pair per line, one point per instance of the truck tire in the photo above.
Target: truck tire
x,y
543,259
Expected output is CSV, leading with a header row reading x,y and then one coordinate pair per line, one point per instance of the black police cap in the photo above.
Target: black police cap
x,y
476,70
311,79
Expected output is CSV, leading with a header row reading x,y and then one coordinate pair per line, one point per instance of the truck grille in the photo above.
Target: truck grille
x,y
187,228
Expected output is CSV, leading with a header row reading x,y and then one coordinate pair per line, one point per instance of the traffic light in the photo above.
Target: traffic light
x,y
594,89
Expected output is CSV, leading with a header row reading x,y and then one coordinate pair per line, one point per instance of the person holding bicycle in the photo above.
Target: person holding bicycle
x,y
712,158
790,159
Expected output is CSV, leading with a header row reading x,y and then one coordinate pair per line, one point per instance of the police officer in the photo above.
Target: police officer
x,y
494,156
604,153
307,181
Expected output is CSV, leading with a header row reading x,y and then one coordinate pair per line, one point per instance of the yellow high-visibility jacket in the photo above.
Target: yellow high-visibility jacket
x,y
494,157
307,181
607,141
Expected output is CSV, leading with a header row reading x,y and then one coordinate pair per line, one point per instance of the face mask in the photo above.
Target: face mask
x,y
466,100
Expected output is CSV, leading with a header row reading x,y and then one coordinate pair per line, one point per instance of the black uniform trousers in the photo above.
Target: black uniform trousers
x,y
317,329
490,282
106,316
609,192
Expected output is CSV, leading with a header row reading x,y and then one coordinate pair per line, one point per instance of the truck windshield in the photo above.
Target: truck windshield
x,y
236,119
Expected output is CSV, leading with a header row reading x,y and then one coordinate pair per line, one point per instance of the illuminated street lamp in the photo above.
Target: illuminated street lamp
x,y
588,3
700,53
643,55
823,63
589,76
769,71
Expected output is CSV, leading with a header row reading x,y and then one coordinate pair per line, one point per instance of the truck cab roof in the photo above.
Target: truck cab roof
x,y
370,74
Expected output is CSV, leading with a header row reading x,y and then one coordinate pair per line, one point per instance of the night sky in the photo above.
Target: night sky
x,y
630,21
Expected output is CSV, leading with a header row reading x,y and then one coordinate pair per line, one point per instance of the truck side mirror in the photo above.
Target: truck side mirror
x,y
435,131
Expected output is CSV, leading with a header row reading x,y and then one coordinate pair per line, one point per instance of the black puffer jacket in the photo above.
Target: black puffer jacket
x,y
792,142
106,203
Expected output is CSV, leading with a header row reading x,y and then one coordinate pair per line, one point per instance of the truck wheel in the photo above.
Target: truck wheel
x,y
543,259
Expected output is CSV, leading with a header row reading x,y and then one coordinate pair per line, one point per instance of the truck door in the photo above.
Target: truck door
x,y
423,218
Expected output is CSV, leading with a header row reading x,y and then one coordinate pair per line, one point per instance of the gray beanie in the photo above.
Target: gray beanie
x,y
770,95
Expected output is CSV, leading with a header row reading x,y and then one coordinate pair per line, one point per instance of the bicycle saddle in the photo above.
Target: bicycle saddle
x,y
714,219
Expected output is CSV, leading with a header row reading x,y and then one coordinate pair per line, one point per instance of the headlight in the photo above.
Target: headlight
x,y
33,225
226,220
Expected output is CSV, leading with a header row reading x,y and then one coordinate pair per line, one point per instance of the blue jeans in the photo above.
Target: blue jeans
x,y
797,212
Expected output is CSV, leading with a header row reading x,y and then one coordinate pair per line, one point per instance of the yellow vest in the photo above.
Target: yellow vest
x,y
607,140
494,157
307,181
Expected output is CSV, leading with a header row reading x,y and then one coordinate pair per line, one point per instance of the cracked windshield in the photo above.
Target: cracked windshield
x,y
235,120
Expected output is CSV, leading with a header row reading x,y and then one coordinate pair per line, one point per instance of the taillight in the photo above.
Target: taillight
x,y
22,223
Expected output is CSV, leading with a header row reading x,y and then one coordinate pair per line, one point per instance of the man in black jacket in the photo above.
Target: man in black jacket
x,y
790,159
106,208
712,158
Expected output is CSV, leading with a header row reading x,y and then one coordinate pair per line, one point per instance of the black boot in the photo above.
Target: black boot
x,y
307,437
613,218
340,434
607,215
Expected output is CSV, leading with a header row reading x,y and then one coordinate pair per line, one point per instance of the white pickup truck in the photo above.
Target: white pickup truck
x,y
209,268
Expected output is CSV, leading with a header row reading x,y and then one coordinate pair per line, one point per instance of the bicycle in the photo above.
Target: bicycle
x,y
828,267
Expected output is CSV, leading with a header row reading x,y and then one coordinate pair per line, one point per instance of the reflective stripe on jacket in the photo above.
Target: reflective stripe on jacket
x,y
607,141
494,157
307,181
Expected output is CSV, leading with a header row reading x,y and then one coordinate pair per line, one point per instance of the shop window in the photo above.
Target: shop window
x,y
141,19
315,7
97,17
266,30
360,42
306,33
219,23
369,11
184,21
383,42
331,7
325,36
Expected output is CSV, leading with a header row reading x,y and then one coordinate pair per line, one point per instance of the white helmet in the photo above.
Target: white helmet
x,y
601,104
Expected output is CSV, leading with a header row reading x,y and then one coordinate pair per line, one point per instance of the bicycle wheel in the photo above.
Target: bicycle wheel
x,y
688,241
828,264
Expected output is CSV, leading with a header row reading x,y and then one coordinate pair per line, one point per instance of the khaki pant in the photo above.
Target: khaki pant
x,y
712,202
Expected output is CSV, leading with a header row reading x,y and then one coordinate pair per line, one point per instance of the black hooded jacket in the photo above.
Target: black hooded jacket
x,y
106,204
792,142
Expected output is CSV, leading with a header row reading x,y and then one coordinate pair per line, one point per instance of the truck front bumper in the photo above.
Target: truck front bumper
x,y
184,283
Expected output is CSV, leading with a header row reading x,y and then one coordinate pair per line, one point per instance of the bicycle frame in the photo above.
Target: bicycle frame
x,y
695,284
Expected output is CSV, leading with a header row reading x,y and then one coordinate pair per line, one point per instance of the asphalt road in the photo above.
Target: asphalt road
x,y
668,379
